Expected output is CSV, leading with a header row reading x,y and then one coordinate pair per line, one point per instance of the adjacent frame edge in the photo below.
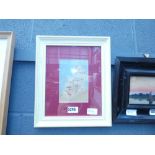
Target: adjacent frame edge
x,y
120,118
6,83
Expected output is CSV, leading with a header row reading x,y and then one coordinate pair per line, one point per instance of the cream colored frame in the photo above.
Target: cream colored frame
x,y
5,75
40,120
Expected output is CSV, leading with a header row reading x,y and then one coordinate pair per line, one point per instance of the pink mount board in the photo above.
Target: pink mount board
x,y
54,54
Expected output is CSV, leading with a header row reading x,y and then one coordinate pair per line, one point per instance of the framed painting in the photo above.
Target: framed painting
x,y
134,90
73,81
7,42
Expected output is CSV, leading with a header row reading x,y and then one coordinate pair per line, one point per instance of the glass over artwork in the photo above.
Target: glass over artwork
x,y
73,81
142,90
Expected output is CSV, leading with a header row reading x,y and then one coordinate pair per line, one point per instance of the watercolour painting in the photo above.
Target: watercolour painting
x,y
142,90
73,85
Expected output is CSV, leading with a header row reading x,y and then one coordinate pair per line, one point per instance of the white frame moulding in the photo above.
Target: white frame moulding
x,y
40,120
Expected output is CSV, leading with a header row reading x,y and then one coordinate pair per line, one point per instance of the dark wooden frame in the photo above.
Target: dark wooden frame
x,y
124,69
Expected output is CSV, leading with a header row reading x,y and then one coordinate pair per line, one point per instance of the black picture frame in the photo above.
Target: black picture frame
x,y
127,68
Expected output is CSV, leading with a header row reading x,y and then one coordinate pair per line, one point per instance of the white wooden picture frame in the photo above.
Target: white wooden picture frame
x,y
7,42
40,118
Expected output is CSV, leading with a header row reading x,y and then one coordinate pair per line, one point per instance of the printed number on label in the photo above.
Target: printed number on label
x,y
72,109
